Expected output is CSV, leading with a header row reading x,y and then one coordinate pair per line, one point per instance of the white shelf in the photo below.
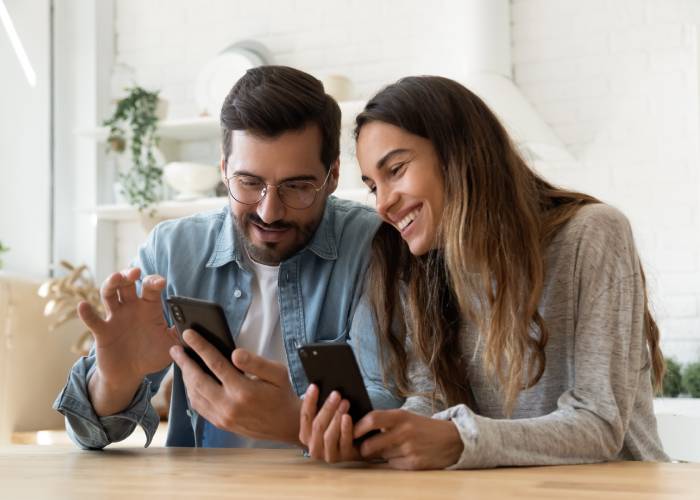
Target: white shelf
x,y
207,127
163,210
174,209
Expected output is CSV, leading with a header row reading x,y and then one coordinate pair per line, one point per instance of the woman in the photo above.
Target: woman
x,y
522,308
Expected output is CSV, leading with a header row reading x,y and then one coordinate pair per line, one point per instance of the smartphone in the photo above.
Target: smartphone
x,y
207,319
333,367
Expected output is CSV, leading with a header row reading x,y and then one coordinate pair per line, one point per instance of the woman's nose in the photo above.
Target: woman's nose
x,y
386,198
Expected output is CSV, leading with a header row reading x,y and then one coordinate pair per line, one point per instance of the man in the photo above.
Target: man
x,y
285,261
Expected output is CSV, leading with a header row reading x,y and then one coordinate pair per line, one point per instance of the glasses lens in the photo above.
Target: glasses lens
x,y
297,194
246,189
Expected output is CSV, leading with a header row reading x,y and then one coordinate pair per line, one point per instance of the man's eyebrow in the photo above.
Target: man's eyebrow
x,y
385,159
294,178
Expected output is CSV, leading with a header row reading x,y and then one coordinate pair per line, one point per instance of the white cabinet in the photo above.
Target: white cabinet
x,y
121,228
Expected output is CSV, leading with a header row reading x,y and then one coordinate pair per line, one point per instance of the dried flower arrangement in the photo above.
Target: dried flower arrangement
x,y
65,293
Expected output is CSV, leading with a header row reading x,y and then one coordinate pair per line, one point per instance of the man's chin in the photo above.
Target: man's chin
x,y
266,253
269,253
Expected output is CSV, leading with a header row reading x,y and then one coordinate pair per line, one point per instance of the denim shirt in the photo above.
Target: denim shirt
x,y
321,299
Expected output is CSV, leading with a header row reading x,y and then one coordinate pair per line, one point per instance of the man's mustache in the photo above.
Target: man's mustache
x,y
277,225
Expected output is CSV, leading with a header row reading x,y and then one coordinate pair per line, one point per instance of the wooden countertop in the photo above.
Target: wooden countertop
x,y
65,472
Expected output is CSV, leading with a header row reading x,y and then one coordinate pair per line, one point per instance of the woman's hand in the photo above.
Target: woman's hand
x,y
410,441
327,434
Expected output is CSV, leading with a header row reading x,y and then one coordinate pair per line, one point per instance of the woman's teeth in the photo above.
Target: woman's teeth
x,y
408,219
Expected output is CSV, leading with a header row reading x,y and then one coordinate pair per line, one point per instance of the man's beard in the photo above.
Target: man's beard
x,y
269,253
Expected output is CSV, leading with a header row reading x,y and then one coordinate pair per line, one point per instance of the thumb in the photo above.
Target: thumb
x,y
264,369
91,319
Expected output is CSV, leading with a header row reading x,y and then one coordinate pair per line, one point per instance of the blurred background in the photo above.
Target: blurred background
x,y
601,95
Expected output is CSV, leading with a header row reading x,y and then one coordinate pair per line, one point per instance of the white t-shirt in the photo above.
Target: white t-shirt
x,y
261,332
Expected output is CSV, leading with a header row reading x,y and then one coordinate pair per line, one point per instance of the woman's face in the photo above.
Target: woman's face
x,y
403,172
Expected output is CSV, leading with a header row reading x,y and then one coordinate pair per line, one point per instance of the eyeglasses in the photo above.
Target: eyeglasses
x,y
251,190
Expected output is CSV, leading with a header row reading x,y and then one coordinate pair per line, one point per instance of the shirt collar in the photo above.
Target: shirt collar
x,y
322,243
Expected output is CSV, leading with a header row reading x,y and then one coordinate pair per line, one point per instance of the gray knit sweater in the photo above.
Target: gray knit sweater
x,y
594,401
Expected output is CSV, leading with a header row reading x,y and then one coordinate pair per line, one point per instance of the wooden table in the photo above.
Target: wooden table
x,y
126,473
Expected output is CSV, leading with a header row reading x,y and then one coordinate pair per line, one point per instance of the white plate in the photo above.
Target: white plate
x,y
218,76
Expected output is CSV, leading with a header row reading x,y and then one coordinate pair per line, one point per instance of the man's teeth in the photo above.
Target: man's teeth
x,y
408,219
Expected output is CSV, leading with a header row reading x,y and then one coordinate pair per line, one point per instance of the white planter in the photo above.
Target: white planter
x,y
191,180
678,422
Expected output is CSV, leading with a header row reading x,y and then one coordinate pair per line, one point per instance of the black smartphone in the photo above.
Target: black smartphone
x,y
207,319
333,367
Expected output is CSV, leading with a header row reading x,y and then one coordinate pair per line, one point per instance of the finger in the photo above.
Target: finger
x,y
331,438
199,384
377,445
91,319
264,369
151,288
308,412
320,424
347,450
127,288
217,363
376,420
109,293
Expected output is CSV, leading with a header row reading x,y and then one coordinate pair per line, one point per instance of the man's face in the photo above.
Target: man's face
x,y
271,230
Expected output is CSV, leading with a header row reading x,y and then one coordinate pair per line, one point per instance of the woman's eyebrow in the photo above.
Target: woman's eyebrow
x,y
385,159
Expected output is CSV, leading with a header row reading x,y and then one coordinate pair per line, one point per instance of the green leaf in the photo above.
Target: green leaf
x,y
137,111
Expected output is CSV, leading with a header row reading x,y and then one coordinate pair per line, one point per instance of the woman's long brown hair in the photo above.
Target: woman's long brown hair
x,y
489,271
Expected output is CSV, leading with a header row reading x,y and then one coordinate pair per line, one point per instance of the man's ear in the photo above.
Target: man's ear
x,y
222,168
334,175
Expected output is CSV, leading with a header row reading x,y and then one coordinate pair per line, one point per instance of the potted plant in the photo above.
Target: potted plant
x,y
673,384
691,379
3,249
142,183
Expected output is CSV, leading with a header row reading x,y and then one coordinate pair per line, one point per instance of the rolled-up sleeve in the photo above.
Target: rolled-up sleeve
x,y
86,428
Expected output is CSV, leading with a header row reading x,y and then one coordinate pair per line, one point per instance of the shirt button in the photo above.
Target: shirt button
x,y
237,294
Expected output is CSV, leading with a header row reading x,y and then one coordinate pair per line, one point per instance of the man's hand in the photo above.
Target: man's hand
x,y
258,403
131,342
410,441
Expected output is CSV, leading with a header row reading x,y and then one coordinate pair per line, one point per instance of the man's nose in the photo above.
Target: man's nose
x,y
271,209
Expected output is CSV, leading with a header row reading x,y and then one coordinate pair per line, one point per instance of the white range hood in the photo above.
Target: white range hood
x,y
489,75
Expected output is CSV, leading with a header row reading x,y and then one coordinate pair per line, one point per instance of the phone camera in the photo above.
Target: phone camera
x,y
314,352
303,353
177,312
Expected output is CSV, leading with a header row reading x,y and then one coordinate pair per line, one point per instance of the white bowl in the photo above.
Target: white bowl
x,y
191,180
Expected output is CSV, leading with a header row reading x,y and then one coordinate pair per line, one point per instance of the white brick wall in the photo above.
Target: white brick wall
x,y
164,44
618,81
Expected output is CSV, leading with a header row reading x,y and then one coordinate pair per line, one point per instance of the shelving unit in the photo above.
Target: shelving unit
x,y
207,127
121,227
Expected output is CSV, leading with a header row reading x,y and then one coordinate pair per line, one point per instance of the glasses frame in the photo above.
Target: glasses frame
x,y
266,189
